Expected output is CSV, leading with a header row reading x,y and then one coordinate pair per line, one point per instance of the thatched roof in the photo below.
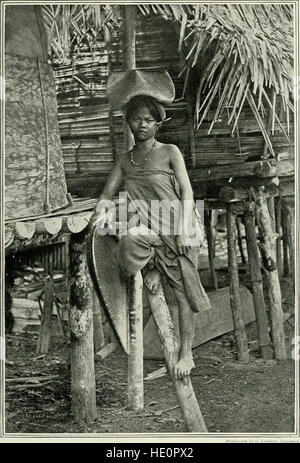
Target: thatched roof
x,y
241,53
244,51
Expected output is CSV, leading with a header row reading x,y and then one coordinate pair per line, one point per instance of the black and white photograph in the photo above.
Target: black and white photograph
x,y
149,221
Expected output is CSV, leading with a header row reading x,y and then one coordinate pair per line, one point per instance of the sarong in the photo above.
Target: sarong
x,y
154,237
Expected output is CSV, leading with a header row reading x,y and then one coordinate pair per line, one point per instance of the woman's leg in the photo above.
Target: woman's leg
x,y
135,252
186,329
152,279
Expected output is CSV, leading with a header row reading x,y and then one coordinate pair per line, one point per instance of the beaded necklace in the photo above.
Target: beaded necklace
x,y
145,159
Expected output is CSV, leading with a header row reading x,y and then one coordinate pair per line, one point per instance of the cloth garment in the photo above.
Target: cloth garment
x,y
154,236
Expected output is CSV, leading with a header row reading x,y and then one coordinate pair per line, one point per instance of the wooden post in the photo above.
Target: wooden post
x,y
210,245
184,390
191,125
129,20
60,319
128,61
268,252
290,224
284,222
135,358
234,288
46,322
256,281
83,386
240,241
112,130
271,209
136,352
278,231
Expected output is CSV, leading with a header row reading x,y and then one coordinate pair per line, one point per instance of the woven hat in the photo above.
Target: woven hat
x,y
122,86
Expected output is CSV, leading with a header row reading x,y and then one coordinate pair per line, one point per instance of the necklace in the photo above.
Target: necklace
x,y
145,159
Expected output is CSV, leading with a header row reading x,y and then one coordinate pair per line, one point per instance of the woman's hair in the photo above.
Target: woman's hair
x,y
136,102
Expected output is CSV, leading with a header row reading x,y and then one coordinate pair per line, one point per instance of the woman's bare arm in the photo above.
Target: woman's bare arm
x,y
186,196
110,189
113,182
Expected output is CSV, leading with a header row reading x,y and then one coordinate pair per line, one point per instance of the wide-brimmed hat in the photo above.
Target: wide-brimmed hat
x,y
122,86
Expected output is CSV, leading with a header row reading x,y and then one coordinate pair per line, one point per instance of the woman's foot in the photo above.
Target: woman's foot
x,y
152,280
184,366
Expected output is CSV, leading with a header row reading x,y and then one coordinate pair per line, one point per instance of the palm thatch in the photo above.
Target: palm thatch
x,y
245,53
240,54
70,27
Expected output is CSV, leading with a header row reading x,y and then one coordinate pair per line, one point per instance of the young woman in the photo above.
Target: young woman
x,y
151,172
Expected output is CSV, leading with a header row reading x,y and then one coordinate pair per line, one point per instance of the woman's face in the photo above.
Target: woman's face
x,y
142,124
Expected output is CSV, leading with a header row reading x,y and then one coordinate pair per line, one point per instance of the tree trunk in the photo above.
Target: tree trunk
x,y
184,390
268,251
256,281
83,386
136,351
235,300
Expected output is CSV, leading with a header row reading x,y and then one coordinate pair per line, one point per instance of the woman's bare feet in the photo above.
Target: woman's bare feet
x,y
184,366
152,280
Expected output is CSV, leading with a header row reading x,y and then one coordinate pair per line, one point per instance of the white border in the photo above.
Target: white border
x,y
157,437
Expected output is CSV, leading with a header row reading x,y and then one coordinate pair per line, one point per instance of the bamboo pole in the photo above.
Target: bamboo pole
x,y
210,244
235,300
136,352
83,386
268,251
256,281
184,390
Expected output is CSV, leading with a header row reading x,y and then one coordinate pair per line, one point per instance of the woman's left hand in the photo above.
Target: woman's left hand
x,y
98,218
183,243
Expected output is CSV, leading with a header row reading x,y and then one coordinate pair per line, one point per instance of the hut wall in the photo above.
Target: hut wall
x,y
90,139
84,122
32,138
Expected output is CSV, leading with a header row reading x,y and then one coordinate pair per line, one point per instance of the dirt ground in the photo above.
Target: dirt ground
x,y
257,397
234,398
